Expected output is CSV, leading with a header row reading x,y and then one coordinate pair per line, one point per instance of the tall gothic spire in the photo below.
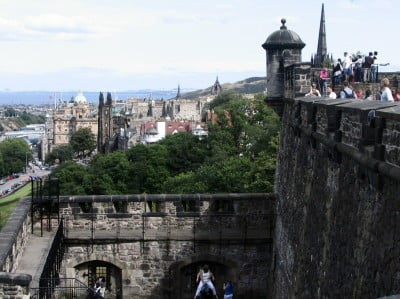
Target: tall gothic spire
x,y
178,94
216,89
322,51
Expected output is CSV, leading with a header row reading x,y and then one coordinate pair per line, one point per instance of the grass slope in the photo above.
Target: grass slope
x,y
8,203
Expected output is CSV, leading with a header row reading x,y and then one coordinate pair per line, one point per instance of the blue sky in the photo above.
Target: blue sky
x,y
128,44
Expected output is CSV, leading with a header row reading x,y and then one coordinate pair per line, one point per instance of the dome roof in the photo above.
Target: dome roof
x,y
80,98
283,39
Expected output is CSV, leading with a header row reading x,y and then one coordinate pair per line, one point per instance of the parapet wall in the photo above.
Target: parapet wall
x,y
13,238
338,212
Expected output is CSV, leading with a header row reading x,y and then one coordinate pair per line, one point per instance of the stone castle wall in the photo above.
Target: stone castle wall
x,y
338,212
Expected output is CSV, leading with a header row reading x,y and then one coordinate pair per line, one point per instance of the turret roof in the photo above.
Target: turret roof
x,y
283,39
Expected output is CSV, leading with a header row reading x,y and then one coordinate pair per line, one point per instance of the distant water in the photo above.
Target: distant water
x,y
48,97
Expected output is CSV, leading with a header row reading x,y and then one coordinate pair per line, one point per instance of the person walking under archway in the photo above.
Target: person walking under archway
x,y
205,277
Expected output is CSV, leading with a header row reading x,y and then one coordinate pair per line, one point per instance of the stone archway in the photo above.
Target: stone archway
x,y
90,271
183,273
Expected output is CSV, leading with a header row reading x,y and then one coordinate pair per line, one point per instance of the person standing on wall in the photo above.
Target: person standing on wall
x,y
386,93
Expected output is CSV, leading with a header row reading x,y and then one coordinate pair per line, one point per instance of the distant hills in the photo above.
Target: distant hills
x,y
251,85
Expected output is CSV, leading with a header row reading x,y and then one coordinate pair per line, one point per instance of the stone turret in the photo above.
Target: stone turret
x,y
283,48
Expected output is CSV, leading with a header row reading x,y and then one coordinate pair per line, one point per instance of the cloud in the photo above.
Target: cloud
x,y
184,17
54,27
349,4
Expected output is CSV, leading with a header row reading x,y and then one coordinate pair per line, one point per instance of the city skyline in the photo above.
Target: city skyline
x,y
128,45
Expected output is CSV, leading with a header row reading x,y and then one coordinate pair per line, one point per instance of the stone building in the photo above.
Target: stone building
x,y
69,117
121,124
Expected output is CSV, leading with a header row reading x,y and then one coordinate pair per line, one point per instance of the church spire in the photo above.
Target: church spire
x,y
178,94
322,51
216,89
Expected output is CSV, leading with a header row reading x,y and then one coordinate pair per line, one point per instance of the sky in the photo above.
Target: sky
x,y
116,45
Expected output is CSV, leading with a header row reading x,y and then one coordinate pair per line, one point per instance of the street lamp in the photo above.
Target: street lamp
x,y
26,162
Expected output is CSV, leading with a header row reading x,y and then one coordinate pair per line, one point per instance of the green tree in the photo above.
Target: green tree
x,y
61,153
11,113
185,152
109,174
149,168
83,142
16,153
184,183
73,178
230,175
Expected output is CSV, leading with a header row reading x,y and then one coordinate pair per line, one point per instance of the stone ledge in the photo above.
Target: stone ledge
x,y
15,279
390,112
168,197
10,231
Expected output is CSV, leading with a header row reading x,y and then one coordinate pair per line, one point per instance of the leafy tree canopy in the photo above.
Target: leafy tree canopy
x,y
15,154
60,154
239,155
83,142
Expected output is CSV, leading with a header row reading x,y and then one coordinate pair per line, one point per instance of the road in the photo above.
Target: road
x,y
34,172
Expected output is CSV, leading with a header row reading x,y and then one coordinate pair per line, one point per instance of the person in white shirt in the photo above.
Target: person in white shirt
x,y
347,66
205,277
386,95
331,94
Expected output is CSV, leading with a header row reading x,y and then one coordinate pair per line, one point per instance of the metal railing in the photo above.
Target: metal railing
x,y
49,279
70,288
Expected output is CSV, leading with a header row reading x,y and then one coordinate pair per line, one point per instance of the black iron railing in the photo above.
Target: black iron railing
x,y
50,278
70,288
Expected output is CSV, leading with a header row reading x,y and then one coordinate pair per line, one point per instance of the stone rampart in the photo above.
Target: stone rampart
x,y
338,212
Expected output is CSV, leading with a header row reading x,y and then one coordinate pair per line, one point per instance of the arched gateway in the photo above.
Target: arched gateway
x,y
184,273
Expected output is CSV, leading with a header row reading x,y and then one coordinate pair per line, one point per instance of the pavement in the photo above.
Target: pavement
x,y
35,254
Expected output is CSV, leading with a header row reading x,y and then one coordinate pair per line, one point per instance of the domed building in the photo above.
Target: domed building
x,y
70,117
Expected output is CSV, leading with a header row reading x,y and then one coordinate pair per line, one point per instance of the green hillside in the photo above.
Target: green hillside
x,y
251,85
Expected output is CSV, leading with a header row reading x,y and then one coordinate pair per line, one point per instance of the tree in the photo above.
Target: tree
x,y
185,152
149,169
61,153
10,113
16,153
109,174
83,142
184,183
73,178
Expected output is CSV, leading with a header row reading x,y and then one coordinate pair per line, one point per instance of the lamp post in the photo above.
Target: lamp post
x,y
26,162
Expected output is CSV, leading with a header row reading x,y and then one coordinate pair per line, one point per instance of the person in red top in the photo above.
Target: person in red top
x,y
396,94
323,79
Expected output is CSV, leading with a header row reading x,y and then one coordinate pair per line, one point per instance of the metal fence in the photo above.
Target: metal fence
x,y
49,279
66,288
